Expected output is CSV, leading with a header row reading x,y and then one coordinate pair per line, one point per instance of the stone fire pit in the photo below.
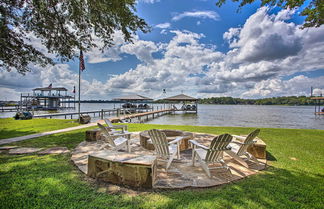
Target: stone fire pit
x,y
171,135
142,169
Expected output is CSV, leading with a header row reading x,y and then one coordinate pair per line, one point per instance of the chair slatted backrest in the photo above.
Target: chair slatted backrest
x,y
160,142
107,135
217,146
248,141
109,123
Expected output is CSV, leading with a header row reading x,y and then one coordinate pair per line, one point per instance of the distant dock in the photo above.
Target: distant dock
x,y
119,114
139,116
319,104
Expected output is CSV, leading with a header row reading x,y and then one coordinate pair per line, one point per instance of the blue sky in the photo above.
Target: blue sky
x,y
199,49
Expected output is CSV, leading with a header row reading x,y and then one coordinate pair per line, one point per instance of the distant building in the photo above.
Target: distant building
x,y
47,98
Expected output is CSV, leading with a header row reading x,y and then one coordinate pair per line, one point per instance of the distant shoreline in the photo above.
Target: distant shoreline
x,y
285,101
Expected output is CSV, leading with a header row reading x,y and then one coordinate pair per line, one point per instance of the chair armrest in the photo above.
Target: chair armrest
x,y
239,137
122,134
236,142
198,145
116,132
241,143
119,126
179,138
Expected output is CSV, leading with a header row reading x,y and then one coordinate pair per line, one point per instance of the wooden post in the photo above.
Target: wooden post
x,y
102,114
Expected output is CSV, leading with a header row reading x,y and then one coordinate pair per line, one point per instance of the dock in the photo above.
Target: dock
x,y
120,114
319,104
10,109
100,113
139,116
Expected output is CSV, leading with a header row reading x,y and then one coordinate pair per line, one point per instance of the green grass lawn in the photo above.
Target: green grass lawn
x,y
295,178
10,127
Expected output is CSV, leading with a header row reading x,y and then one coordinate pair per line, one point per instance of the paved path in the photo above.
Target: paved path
x,y
31,136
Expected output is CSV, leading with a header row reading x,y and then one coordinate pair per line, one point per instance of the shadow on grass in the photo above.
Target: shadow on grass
x,y
9,133
270,157
68,139
52,182
276,188
48,182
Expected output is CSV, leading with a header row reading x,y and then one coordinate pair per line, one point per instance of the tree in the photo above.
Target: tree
x,y
314,10
63,26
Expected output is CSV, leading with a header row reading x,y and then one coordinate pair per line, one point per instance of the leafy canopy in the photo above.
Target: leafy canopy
x,y
314,10
63,26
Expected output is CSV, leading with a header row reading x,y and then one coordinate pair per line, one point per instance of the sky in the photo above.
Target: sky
x,y
197,49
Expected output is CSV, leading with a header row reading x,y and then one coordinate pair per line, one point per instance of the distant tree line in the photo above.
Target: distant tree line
x,y
289,100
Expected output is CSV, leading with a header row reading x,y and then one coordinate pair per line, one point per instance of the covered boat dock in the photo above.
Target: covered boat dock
x,y
189,104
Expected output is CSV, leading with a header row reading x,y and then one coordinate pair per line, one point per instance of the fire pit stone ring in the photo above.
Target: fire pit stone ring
x,y
171,135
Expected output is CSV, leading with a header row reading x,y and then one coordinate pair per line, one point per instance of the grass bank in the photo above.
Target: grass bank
x,y
294,180
10,127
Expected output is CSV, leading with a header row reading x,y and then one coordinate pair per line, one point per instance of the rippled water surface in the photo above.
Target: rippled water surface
x,y
248,116
231,115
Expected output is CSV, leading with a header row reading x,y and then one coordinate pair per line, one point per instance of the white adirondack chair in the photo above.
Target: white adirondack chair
x,y
163,148
239,148
113,127
115,141
211,154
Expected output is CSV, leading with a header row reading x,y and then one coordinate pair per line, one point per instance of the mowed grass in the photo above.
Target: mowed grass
x,y
295,178
10,127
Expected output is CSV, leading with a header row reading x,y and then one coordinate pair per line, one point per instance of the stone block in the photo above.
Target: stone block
x,y
123,168
93,135
24,150
54,150
258,149
171,135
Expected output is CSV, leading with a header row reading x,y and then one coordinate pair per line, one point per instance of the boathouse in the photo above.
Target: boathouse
x,y
47,98
189,104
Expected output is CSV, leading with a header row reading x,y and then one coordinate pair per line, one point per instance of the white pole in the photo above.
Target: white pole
x,y
79,92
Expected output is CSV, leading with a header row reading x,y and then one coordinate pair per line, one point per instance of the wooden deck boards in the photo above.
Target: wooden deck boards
x,y
120,118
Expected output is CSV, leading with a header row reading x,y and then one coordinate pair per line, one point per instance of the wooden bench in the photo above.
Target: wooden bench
x,y
123,168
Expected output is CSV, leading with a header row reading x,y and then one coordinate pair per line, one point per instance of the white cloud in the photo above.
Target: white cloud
x,y
265,37
149,1
9,94
163,25
298,85
141,49
96,55
164,32
207,14
262,52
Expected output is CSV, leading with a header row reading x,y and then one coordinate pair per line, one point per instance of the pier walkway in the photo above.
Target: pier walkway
x,y
140,115
31,136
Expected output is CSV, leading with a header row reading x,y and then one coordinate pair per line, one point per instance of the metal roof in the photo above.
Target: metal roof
x,y
181,97
135,97
50,89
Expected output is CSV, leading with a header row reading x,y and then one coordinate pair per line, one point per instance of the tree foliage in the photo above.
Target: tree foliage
x,y
290,100
63,26
314,10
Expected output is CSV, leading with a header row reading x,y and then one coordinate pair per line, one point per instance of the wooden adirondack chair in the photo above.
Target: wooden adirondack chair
x,y
115,141
239,149
163,148
211,154
113,127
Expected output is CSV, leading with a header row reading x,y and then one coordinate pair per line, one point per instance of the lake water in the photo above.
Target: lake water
x,y
299,117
